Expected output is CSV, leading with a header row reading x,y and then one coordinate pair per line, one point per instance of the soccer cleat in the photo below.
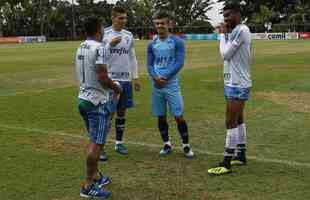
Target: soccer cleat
x,y
95,192
103,156
188,153
220,170
120,148
167,149
103,180
238,162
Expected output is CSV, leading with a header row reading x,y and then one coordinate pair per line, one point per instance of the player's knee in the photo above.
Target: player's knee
x,y
179,119
92,155
94,150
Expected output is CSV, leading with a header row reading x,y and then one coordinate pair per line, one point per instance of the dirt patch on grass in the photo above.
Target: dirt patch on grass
x,y
296,101
56,143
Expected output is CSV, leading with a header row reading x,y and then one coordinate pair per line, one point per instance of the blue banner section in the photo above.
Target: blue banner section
x,y
213,36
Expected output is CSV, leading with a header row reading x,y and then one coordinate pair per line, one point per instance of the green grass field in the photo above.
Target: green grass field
x,y
43,144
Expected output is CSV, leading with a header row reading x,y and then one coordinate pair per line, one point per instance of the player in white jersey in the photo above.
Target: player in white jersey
x,y
235,49
122,67
95,97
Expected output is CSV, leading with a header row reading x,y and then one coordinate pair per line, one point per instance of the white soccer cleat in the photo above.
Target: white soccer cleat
x,y
188,152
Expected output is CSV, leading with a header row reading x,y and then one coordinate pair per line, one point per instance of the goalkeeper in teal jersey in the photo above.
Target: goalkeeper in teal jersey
x,y
165,58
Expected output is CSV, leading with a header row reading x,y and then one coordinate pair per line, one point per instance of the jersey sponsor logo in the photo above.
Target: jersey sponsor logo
x,y
119,75
163,60
85,46
119,51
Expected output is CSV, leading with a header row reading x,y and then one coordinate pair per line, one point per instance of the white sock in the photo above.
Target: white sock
x,y
168,143
231,142
185,145
118,142
231,138
242,134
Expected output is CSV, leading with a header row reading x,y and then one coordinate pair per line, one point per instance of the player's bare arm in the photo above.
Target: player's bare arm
x,y
102,76
136,84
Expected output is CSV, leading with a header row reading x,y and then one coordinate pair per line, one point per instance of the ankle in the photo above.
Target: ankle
x,y
86,184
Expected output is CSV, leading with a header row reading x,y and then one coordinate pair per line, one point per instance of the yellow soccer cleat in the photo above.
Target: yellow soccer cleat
x,y
218,171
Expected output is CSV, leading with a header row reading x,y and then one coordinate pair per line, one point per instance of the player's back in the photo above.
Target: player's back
x,y
85,63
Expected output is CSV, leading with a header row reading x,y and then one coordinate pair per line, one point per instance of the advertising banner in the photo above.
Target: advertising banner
x,y
9,39
213,36
23,39
304,35
32,39
275,36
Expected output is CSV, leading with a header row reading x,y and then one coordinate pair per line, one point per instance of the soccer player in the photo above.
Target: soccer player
x,y
235,50
165,58
94,100
122,67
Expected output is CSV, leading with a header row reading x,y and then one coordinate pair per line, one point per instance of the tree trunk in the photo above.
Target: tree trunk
x,y
1,27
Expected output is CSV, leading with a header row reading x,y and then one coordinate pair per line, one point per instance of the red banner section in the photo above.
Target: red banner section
x,y
10,40
305,35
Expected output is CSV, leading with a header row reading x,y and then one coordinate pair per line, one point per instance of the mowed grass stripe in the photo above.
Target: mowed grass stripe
x,y
60,133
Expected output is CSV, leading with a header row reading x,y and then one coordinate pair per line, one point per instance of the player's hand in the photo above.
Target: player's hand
x,y
224,28
117,90
136,85
160,81
115,41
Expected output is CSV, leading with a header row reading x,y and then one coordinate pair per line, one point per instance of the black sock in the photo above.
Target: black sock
x,y
183,130
228,154
241,152
163,129
119,127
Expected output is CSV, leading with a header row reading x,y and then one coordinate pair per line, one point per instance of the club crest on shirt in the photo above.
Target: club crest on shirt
x,y
127,39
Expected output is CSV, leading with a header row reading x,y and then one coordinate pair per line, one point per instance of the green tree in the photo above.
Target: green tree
x,y
301,12
185,12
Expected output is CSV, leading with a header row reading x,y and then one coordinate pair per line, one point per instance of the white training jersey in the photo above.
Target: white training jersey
x,y
122,61
89,54
235,49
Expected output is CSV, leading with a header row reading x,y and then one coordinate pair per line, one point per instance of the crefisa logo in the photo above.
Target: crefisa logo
x,y
119,51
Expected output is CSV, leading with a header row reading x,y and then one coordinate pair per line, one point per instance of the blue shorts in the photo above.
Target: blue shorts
x,y
236,93
97,120
169,95
126,98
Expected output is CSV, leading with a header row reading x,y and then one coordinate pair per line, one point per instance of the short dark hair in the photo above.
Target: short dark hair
x,y
92,25
118,10
234,6
162,15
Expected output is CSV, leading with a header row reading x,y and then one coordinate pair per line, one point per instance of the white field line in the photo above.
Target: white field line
x,y
200,151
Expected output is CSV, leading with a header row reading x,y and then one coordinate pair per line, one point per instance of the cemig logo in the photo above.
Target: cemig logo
x,y
276,36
